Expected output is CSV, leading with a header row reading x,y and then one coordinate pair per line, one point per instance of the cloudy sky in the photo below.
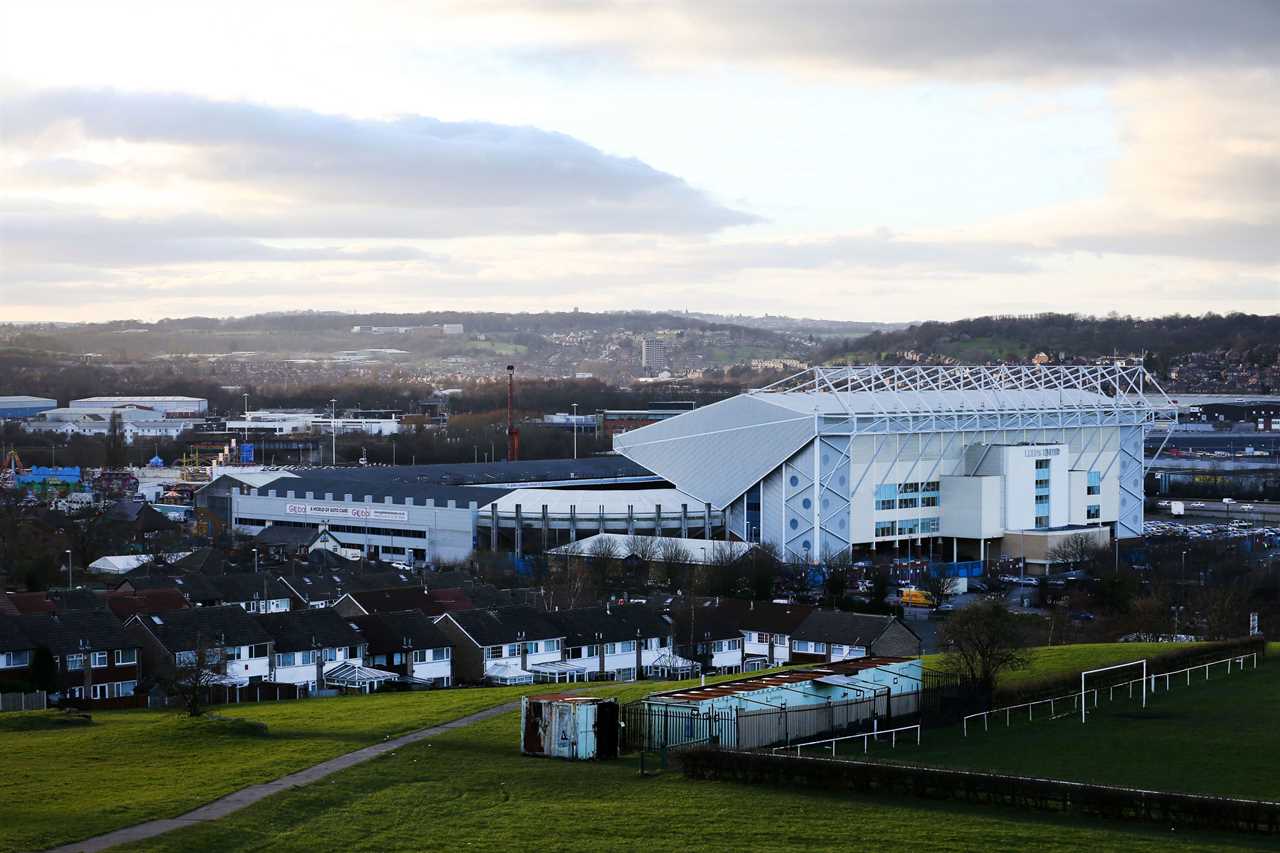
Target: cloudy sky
x,y
876,160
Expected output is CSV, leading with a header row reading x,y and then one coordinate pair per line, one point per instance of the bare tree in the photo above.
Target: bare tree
x,y
645,550
1076,550
939,586
981,641
673,559
602,553
194,672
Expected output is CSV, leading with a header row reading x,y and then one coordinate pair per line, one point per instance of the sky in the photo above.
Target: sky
x,y
883,160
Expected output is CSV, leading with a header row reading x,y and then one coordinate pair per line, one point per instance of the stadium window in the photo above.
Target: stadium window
x,y
1042,521
887,503
1095,483
1093,512
1042,464
929,500
908,488
931,486
885,528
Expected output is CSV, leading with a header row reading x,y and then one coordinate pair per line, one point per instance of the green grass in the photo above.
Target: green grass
x,y
62,782
1215,737
471,789
1049,663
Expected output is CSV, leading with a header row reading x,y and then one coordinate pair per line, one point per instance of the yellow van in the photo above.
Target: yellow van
x,y
910,597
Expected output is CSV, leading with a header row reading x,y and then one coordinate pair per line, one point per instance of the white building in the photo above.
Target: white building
x,y
286,423
943,459
189,407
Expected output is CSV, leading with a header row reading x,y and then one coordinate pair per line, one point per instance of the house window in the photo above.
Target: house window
x,y
801,645
611,649
820,648
306,658
75,662
285,659
532,648
258,650
551,645
762,638
181,659
592,651
355,652
98,660
126,688
440,654
9,660
492,652
233,652
332,654
629,646
513,650
719,645
1093,512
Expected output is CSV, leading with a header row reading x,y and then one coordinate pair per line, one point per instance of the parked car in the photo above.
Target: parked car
x,y
1082,616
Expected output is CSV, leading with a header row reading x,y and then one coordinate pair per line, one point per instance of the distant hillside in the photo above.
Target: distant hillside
x,y
799,325
1254,339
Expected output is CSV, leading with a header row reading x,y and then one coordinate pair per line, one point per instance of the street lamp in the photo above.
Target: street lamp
x,y
575,430
68,552
246,416
333,429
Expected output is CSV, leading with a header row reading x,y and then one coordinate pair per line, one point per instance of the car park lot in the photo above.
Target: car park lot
x,y
1237,529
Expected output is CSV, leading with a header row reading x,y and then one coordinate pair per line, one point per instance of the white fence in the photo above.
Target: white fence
x,y
23,701
1008,710
1150,681
865,736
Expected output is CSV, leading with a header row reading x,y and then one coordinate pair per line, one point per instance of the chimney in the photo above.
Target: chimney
x,y
407,642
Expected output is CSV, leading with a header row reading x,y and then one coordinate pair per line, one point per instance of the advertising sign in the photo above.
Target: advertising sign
x,y
354,512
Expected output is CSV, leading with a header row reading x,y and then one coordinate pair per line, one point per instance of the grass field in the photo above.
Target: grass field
x,y
470,789
1049,663
1215,737
62,782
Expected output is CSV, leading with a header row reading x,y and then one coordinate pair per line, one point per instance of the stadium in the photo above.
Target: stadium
x,y
974,461
953,463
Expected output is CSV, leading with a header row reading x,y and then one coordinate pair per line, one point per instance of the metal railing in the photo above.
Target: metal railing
x,y
1008,710
1152,680
865,736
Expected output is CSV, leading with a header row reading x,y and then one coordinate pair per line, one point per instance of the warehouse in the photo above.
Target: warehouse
x,y
948,460
25,407
433,513
169,407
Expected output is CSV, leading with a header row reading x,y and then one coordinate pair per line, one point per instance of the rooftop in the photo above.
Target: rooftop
x,y
764,682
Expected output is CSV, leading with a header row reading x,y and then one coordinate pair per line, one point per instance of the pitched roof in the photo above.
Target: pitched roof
x,y
386,632
62,634
247,586
400,598
835,626
12,637
299,630
55,601
320,585
286,535
196,588
226,625
206,561
124,604
505,625
766,616
709,621
585,625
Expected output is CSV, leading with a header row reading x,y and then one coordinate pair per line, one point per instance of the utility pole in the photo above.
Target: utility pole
x,y
575,430
246,416
513,434
333,429
69,569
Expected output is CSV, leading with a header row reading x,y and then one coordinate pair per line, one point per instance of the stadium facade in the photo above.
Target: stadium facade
x,y
972,460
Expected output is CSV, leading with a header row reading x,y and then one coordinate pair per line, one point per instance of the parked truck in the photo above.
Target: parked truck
x,y
1177,508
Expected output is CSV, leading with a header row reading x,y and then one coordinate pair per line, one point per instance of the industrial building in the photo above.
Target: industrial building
x,y
432,513
949,460
24,406
169,407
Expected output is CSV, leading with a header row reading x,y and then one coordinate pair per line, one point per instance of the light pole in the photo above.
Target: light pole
x,y
333,429
575,430
69,568
246,416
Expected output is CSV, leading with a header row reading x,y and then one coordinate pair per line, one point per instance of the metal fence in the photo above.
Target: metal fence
x,y
34,701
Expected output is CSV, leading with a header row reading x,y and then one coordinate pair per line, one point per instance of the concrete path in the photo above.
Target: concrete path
x,y
233,802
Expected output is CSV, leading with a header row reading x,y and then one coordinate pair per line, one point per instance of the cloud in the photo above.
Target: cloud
x,y
990,39
442,178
